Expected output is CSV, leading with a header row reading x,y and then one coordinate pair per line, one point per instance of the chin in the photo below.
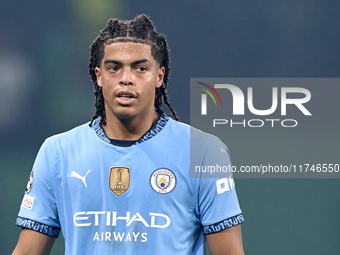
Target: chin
x,y
125,115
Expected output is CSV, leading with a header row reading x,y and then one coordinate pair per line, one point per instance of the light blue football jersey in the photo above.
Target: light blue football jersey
x,y
139,199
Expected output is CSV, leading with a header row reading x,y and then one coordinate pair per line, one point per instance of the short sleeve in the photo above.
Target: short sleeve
x,y
38,210
218,203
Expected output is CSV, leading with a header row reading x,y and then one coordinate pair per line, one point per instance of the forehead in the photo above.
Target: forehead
x,y
128,51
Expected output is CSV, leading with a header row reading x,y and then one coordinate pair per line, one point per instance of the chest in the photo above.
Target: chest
x,y
126,183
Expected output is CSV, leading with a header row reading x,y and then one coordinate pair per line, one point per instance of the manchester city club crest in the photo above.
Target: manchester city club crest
x,y
163,180
119,180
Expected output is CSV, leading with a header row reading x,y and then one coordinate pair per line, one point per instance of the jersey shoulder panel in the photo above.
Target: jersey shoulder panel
x,y
77,134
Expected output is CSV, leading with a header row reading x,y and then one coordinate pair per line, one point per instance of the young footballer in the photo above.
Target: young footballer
x,y
121,183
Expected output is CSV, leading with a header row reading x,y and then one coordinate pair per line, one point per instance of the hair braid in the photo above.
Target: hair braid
x,y
167,101
139,30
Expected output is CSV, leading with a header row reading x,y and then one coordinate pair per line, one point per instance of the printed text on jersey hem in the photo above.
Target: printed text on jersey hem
x,y
224,224
37,226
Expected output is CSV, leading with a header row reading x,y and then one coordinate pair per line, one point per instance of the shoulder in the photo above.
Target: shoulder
x,y
199,140
56,149
63,143
185,129
199,145
78,133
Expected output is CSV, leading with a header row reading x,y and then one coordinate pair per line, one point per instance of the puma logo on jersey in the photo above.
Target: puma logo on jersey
x,y
78,176
223,150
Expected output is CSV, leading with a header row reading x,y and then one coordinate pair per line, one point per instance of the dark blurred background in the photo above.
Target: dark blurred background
x,y
45,89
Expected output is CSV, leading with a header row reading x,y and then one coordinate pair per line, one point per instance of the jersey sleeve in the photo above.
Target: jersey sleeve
x,y
218,204
38,210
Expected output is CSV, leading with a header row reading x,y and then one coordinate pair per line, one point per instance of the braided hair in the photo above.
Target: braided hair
x,y
138,30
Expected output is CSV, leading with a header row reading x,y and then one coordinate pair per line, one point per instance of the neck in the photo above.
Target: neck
x,y
129,129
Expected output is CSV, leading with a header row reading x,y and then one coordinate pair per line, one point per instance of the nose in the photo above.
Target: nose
x,y
126,77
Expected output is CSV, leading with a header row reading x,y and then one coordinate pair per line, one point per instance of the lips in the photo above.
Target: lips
x,y
125,94
125,97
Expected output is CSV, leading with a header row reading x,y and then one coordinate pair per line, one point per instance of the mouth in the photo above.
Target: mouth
x,y
125,97
125,94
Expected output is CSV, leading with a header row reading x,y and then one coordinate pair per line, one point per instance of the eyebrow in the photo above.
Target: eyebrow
x,y
112,61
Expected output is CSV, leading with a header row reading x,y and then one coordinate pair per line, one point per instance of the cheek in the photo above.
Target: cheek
x,y
106,83
149,92
106,90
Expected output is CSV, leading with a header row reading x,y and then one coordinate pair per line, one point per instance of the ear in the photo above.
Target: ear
x,y
99,76
160,76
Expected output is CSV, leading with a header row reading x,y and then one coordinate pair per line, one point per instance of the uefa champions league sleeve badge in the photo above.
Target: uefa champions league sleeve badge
x,y
163,180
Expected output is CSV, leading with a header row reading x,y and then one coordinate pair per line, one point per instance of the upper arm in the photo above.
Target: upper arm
x,y
33,243
38,214
218,205
226,242
38,210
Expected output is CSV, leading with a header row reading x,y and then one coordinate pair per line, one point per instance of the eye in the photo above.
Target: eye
x,y
141,68
113,68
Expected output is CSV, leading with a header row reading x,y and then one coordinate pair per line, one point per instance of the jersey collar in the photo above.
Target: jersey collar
x,y
153,131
